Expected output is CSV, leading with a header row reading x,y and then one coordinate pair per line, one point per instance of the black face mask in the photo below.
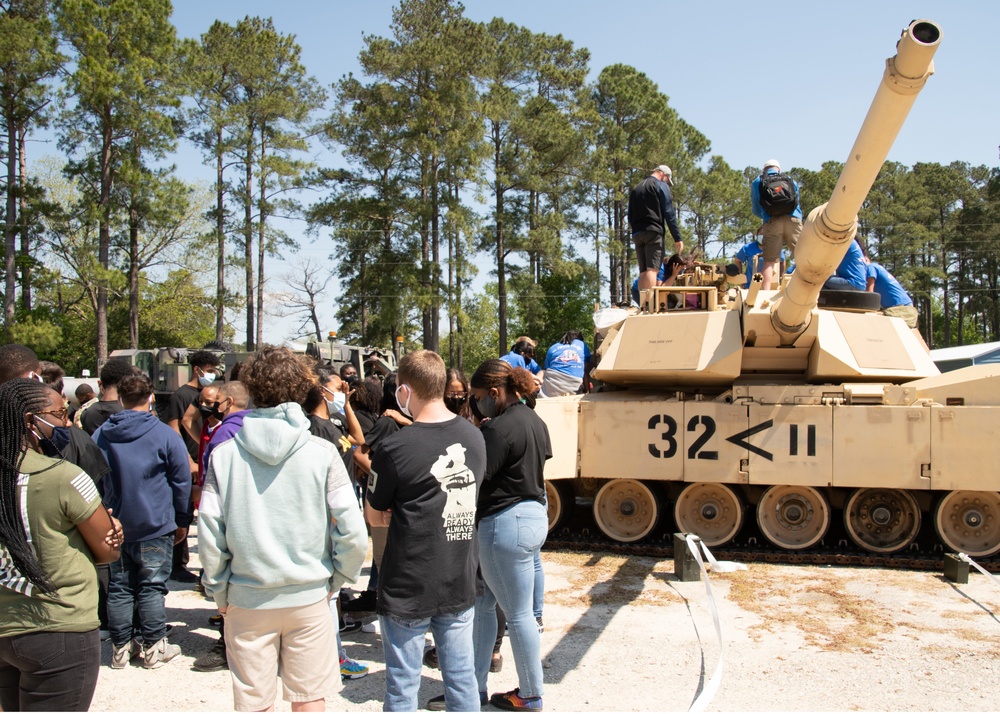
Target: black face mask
x,y
206,411
455,404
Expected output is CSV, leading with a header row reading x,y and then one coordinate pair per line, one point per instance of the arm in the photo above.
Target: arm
x,y
354,431
213,547
397,417
670,219
179,477
755,206
103,535
348,535
191,421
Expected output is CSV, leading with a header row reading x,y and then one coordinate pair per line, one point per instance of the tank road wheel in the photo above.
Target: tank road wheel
x,y
560,499
969,522
626,510
882,520
793,517
711,511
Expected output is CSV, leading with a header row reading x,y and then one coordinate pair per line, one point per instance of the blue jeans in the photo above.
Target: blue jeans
x,y
508,544
139,578
403,642
538,594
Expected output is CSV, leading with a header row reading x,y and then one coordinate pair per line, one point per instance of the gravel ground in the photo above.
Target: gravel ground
x,y
625,634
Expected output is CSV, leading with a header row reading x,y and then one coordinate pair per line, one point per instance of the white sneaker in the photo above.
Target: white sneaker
x,y
159,653
120,656
371,627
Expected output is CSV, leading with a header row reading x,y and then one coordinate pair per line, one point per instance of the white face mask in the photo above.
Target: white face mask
x,y
335,405
405,408
206,378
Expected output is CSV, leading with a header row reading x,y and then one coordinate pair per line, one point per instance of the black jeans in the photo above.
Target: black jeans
x,y
49,671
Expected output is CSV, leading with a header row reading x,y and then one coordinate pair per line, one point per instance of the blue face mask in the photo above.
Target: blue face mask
x,y
206,378
59,439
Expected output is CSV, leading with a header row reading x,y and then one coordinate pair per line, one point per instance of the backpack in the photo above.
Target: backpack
x,y
777,194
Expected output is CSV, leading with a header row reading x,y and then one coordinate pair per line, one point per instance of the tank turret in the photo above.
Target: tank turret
x,y
703,332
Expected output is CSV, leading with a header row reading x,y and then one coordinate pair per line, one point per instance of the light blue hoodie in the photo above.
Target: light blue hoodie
x,y
279,523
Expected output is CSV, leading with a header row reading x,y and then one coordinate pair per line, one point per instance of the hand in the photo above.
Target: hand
x,y
115,536
179,535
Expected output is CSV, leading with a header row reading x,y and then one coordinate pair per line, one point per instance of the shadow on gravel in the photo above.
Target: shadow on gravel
x,y
968,597
582,635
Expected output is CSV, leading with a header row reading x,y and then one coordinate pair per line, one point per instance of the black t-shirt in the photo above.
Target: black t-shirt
x,y
185,396
384,427
84,452
517,446
366,419
333,431
97,414
428,474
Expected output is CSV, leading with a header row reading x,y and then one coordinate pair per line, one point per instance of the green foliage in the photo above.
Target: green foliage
x,y
42,335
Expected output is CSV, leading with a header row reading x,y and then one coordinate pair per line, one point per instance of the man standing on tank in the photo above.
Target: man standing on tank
x,y
650,215
777,228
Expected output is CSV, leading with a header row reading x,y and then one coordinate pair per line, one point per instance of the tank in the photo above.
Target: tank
x,y
794,407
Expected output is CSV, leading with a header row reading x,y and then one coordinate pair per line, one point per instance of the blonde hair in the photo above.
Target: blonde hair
x,y
423,371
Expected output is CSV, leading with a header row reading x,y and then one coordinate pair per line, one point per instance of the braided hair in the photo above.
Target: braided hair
x,y
18,398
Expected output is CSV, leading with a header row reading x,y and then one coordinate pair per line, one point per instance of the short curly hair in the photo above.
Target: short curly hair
x,y
276,375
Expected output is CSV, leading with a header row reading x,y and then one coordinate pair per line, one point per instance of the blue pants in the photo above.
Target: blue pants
x,y
509,541
403,642
139,578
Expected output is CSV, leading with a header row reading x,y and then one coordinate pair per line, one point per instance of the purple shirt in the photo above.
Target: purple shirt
x,y
223,433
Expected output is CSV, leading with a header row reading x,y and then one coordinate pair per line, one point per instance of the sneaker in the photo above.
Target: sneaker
x,y
512,701
431,659
349,625
159,653
436,704
541,627
371,627
122,655
352,669
365,602
496,663
182,575
213,660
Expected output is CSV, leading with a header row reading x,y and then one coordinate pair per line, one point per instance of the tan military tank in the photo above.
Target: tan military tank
x,y
727,403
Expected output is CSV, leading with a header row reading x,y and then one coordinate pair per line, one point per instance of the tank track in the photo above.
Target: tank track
x,y
843,554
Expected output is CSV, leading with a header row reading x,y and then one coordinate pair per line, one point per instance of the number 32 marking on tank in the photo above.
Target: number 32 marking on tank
x,y
669,437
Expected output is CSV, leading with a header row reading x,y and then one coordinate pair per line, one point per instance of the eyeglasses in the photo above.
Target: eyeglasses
x,y
61,414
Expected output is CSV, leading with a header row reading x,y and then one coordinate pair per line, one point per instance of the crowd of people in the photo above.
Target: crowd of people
x,y
289,468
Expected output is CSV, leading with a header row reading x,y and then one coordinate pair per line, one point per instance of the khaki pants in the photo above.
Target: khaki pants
x,y
777,230
907,313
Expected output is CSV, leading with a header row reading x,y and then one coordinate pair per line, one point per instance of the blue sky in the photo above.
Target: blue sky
x,y
710,58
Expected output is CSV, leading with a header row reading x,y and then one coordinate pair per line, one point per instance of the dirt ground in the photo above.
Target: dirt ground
x,y
625,634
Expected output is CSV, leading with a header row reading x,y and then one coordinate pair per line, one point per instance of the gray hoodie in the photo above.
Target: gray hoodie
x,y
279,523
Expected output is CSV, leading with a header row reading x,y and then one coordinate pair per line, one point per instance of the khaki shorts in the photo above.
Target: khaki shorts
x,y
908,313
296,643
648,250
776,230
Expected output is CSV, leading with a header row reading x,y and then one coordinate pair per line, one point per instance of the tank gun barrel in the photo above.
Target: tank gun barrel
x,y
831,227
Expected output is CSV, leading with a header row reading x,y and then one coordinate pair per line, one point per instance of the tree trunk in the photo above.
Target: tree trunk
x,y
10,233
220,240
501,258
261,226
248,247
458,291
435,262
946,308
133,278
104,237
425,257
22,200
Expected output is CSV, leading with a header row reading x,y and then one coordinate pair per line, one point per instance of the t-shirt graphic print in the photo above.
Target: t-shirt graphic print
x,y
459,486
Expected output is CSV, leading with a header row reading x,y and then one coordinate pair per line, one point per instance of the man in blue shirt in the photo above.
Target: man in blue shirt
x,y
745,259
650,215
852,273
893,299
776,229
566,366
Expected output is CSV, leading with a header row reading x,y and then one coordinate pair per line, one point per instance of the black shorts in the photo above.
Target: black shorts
x,y
648,250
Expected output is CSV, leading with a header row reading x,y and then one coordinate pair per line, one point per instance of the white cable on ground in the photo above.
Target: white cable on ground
x,y
710,690
977,566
